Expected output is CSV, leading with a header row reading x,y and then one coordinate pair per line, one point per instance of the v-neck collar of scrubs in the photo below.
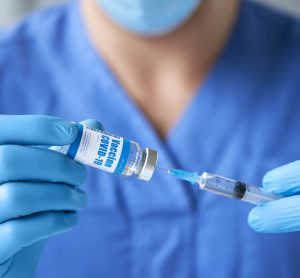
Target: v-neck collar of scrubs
x,y
169,150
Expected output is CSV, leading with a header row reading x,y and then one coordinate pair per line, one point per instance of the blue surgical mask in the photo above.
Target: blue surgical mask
x,y
149,17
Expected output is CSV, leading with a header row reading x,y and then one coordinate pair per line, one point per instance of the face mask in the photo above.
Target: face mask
x,y
149,17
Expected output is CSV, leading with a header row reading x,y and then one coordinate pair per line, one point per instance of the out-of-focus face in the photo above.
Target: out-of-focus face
x,y
149,17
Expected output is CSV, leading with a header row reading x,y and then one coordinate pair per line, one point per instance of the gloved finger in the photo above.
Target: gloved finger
x,y
36,130
279,216
21,232
20,199
284,180
25,163
92,124
26,259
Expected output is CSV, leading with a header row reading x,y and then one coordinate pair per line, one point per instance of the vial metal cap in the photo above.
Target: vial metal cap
x,y
149,161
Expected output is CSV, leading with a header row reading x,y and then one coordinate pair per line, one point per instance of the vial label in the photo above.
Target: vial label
x,y
100,150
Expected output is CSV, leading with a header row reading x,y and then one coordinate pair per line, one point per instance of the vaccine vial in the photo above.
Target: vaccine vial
x,y
110,153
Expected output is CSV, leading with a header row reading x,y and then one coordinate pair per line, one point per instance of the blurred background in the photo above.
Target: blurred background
x,y
12,10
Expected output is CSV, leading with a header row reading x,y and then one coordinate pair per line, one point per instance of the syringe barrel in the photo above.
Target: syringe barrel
x,y
235,189
221,185
257,196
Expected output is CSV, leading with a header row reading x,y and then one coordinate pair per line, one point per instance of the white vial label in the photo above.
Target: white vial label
x,y
99,149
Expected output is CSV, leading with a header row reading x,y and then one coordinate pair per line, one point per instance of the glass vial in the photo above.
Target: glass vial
x,y
110,153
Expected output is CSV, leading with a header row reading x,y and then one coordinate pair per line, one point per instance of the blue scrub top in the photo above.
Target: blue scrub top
x,y
242,122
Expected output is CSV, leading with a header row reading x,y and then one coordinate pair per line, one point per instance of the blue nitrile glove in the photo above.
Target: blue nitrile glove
x,y
282,215
39,194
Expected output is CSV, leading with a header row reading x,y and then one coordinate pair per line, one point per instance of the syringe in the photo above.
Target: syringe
x,y
226,187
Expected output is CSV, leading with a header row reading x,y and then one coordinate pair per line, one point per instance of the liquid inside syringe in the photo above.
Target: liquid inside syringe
x,y
225,186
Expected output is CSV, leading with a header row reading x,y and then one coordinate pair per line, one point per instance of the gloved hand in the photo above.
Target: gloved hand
x,y
282,215
39,189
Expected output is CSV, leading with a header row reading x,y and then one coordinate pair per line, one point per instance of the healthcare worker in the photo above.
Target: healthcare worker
x,y
212,85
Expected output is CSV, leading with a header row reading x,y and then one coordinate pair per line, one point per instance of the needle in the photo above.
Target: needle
x,y
162,169
181,175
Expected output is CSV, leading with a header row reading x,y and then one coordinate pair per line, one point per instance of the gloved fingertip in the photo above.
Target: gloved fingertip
x,y
255,220
68,221
284,179
267,179
71,219
280,216
81,175
92,124
80,199
66,131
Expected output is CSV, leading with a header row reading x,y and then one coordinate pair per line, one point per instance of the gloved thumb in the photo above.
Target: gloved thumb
x,y
284,180
92,124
